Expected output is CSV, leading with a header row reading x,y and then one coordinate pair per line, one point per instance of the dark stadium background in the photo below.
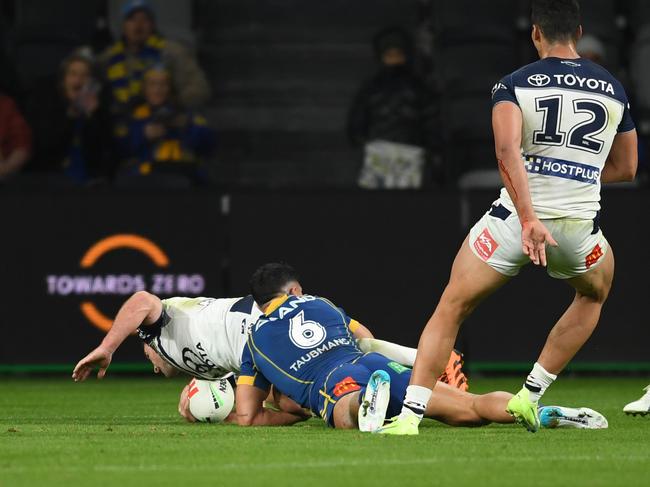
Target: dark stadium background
x,y
283,74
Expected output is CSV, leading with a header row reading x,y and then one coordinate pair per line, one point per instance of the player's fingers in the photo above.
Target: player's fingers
x,y
542,254
80,373
530,251
551,241
101,373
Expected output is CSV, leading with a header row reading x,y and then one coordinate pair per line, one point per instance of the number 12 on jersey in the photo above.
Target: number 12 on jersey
x,y
581,135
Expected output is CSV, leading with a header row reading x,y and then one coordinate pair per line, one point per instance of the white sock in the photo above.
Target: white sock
x,y
416,400
538,380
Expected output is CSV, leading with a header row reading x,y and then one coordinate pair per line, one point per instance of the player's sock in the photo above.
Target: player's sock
x,y
416,400
537,382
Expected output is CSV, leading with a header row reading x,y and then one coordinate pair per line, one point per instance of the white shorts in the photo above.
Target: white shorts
x,y
496,240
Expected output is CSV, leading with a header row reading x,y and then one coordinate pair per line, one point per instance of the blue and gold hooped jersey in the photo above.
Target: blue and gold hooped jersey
x,y
298,341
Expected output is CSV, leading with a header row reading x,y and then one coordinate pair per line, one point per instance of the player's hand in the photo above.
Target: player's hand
x,y
534,237
184,405
100,357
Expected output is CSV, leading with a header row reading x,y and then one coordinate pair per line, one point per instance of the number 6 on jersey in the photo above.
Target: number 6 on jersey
x,y
305,334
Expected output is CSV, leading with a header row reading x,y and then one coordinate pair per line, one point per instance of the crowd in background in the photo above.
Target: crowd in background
x,y
129,112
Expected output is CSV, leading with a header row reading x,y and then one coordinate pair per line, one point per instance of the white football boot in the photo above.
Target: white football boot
x,y
372,411
562,417
642,406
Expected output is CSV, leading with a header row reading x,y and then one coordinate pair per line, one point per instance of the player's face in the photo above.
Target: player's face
x,y
159,365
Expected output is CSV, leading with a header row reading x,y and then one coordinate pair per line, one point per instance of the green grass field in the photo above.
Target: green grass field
x,y
126,432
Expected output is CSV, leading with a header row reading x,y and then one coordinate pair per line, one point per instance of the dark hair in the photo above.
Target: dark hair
x,y
269,280
558,19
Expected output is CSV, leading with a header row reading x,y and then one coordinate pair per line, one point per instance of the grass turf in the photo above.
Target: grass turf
x,y
126,432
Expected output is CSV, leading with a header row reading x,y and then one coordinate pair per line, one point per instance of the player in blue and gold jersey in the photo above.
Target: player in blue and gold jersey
x,y
303,346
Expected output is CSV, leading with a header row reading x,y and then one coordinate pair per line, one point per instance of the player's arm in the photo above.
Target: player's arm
x,y
249,401
622,160
142,308
507,125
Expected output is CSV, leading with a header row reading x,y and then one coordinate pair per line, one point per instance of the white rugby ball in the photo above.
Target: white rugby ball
x,y
211,400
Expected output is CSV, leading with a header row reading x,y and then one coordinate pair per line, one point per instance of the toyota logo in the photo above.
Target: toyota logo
x,y
539,79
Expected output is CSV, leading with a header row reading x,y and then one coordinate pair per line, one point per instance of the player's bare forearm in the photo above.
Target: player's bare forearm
x,y
251,412
507,124
622,161
141,308
266,417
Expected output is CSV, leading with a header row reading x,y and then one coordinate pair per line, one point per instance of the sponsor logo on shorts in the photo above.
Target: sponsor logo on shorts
x,y
485,245
559,168
346,386
399,368
593,257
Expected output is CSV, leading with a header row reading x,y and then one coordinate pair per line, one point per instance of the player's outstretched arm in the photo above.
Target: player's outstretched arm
x,y
249,401
623,159
140,309
507,125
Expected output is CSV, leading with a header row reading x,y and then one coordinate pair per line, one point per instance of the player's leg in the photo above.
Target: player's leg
x,y
578,322
458,408
364,409
577,243
346,411
470,282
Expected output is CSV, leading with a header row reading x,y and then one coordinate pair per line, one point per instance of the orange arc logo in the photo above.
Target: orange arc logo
x,y
108,244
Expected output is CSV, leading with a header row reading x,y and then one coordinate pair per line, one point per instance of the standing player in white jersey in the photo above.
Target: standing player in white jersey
x,y
561,127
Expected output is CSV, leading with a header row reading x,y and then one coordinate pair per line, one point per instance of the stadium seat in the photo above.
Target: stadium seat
x,y
490,62
461,21
71,18
283,75
639,74
468,134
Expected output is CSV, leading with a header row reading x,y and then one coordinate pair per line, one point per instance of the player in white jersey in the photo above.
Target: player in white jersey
x,y
204,338
561,127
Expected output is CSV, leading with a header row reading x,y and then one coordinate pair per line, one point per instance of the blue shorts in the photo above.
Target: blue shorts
x,y
353,376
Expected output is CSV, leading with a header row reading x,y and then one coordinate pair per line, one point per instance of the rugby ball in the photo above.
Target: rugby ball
x,y
211,400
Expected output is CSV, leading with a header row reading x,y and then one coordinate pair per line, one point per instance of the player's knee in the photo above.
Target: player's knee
x,y
458,308
594,295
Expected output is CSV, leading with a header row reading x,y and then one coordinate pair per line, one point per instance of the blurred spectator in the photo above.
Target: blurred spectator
x,y
15,138
395,117
590,47
141,47
72,127
161,137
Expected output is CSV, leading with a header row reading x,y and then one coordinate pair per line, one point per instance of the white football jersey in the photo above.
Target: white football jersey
x,y
572,109
203,337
